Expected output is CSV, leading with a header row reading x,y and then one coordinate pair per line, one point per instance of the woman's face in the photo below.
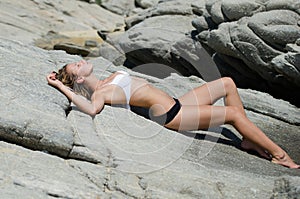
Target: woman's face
x,y
80,69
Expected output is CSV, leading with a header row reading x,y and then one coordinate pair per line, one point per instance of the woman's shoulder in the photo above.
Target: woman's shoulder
x,y
101,92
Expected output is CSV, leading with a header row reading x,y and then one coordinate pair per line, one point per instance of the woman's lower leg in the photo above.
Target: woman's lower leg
x,y
252,133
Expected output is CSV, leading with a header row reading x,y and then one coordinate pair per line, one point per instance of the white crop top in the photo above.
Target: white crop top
x,y
123,80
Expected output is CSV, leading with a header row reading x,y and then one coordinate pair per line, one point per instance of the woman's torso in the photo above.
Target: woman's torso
x,y
142,94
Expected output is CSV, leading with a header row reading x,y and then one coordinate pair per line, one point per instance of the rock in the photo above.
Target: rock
x,y
111,50
120,7
90,43
247,40
146,3
40,175
74,156
200,24
234,10
256,36
26,106
61,25
79,38
277,33
256,43
30,20
285,112
163,8
112,53
72,49
145,44
285,5
289,65
89,1
160,38
77,179
283,189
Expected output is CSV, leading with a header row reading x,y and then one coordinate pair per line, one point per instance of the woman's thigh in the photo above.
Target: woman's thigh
x,y
206,94
198,117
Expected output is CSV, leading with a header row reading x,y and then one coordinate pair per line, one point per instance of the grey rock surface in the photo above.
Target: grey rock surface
x,y
160,37
162,8
28,21
120,7
30,114
255,42
152,42
255,36
146,3
119,154
49,149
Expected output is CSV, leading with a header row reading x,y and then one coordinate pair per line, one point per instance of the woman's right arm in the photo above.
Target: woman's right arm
x,y
92,108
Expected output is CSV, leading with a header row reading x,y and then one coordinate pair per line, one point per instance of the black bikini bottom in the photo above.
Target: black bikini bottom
x,y
161,119
168,116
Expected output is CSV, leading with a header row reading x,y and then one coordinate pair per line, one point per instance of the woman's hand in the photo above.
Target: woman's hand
x,y
53,81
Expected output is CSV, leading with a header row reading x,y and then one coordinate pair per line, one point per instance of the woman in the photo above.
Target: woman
x,y
191,111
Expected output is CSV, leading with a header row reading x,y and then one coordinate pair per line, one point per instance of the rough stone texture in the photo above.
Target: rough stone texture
x,y
162,8
286,112
119,154
32,19
35,174
255,42
30,114
160,37
151,42
146,3
49,150
87,41
255,36
121,7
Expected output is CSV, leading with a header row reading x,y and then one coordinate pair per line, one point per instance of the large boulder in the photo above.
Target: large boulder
x,y
255,41
66,25
121,7
146,3
51,149
159,41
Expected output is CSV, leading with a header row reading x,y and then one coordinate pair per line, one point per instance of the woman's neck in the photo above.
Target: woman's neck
x,y
91,82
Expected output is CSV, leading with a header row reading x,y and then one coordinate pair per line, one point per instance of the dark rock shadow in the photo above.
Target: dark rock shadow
x,y
232,140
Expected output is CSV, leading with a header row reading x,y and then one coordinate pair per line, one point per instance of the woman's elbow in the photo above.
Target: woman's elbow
x,y
94,112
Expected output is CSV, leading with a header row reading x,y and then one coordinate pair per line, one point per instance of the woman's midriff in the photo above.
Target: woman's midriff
x,y
146,95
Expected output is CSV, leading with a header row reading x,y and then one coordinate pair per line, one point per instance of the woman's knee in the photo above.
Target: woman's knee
x,y
228,83
233,114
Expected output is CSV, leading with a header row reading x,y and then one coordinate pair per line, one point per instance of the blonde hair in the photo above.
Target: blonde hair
x,y
70,81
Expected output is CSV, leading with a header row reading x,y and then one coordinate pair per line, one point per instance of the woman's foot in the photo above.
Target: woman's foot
x,y
249,146
285,160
